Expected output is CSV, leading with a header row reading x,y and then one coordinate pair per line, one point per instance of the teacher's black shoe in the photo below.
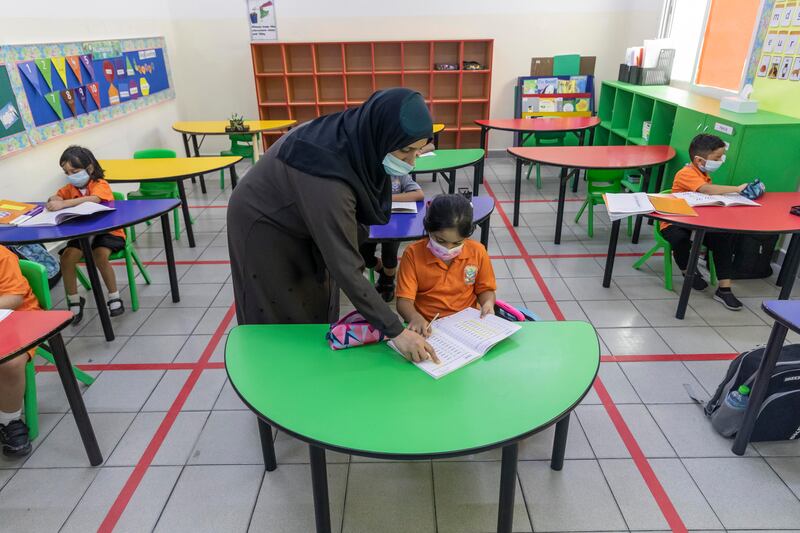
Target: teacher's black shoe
x,y
726,298
385,286
77,310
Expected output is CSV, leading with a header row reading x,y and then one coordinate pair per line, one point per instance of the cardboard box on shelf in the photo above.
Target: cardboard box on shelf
x,y
543,66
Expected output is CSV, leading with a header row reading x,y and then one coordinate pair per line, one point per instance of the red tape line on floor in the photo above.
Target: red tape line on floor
x,y
115,367
656,489
125,495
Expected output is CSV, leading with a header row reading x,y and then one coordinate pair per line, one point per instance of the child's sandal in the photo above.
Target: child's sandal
x,y
78,316
115,311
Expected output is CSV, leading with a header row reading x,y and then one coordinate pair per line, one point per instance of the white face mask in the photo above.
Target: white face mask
x,y
711,166
442,252
79,179
395,166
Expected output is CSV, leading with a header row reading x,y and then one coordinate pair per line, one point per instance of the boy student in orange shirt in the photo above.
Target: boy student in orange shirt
x,y
86,184
445,272
15,293
706,154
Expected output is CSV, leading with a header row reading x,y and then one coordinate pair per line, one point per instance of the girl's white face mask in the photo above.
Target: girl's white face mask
x,y
442,252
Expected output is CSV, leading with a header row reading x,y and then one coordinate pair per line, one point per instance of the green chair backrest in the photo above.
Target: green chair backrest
x,y
240,138
155,153
36,275
601,181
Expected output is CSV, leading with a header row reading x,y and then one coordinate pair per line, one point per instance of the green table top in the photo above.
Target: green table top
x,y
447,160
371,401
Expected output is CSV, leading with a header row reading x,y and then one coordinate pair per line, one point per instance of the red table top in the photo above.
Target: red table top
x,y
22,330
771,217
540,124
601,157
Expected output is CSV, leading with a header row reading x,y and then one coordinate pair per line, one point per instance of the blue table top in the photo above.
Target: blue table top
x,y
408,226
787,312
126,213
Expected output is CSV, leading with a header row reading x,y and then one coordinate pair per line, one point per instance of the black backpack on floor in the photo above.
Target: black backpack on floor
x,y
779,416
752,256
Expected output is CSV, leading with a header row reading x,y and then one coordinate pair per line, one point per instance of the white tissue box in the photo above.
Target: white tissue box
x,y
738,105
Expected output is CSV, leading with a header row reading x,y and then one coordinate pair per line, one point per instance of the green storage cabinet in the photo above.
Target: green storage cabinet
x,y
760,145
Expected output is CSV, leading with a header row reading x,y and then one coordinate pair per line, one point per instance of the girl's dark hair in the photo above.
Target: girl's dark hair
x,y
449,211
80,157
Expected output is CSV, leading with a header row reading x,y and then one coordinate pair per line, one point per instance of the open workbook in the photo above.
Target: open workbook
x,y
462,338
404,207
696,199
54,218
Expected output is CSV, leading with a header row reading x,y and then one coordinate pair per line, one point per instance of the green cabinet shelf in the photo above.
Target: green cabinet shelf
x,y
760,145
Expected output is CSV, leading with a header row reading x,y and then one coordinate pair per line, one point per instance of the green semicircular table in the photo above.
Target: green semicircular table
x,y
370,401
446,162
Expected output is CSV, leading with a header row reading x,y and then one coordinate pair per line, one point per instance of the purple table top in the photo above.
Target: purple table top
x,y
787,312
408,226
127,213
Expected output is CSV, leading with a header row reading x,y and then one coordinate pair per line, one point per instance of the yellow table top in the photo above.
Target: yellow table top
x,y
135,170
217,127
438,127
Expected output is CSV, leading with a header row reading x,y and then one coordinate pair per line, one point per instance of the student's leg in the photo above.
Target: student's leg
x,y
70,256
385,284
101,254
722,246
13,432
681,241
367,250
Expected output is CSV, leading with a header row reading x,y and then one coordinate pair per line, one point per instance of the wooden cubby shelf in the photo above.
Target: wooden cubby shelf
x,y
302,81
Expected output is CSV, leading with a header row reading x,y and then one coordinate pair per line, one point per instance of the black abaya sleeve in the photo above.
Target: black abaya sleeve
x,y
328,208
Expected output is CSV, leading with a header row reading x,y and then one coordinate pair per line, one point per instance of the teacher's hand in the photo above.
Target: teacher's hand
x,y
414,348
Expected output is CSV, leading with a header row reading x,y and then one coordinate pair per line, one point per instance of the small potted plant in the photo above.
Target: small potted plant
x,y
236,124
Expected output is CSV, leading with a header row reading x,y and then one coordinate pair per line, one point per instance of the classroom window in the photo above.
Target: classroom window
x,y
683,25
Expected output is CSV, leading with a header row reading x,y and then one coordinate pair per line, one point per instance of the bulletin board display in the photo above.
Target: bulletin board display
x,y
64,87
776,84
12,130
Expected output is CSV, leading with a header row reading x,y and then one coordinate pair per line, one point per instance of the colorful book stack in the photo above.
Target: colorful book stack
x,y
555,95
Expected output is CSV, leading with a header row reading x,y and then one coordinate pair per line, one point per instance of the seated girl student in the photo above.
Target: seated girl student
x,y
404,189
86,184
16,294
706,154
445,272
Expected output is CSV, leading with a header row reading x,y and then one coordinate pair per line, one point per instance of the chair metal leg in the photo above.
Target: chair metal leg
x,y
176,220
668,267
31,407
580,211
642,260
712,269
80,375
141,267
590,225
133,233
538,176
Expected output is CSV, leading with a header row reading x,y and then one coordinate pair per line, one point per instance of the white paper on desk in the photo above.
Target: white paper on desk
x,y
622,205
427,154
4,313
404,207
54,218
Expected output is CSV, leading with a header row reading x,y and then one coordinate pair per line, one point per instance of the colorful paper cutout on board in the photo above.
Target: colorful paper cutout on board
x,y
80,95
763,66
108,70
113,95
791,42
144,86
44,67
60,65
123,91
54,99
94,91
69,99
74,63
133,89
785,66
794,75
86,61
8,116
774,65
31,73
128,67
119,67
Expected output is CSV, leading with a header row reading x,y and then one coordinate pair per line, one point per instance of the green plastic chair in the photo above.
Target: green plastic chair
x,y
164,190
130,256
544,139
36,275
663,244
241,145
599,182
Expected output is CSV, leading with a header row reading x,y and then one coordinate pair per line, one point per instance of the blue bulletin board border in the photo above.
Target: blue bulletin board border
x,y
144,80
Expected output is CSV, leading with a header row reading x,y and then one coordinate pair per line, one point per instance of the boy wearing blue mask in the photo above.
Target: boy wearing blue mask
x,y
86,184
706,154
404,189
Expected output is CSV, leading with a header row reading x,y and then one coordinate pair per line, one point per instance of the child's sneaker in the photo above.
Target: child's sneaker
x,y
698,284
14,438
115,307
726,298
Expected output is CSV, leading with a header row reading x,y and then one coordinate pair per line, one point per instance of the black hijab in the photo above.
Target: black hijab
x,y
350,146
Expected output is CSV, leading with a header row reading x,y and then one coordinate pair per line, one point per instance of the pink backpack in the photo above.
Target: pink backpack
x,y
352,330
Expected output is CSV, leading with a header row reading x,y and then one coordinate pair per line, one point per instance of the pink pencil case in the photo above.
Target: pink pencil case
x,y
352,330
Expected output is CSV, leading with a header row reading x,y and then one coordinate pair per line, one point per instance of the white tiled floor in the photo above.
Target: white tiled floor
x,y
207,474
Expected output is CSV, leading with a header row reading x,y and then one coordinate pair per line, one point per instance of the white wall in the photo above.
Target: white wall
x,y
34,174
208,46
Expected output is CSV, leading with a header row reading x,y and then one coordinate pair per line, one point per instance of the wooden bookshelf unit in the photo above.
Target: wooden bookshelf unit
x,y
302,81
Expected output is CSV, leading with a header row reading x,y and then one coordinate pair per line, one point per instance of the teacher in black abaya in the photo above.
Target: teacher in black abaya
x,y
293,220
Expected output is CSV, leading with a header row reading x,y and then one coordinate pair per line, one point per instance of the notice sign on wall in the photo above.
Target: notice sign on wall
x,y
262,20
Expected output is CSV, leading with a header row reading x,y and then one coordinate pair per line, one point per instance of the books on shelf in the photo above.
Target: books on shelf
x,y
54,218
723,200
404,207
462,338
547,85
11,211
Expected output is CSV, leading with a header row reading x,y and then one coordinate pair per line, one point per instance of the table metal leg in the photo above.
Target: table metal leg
x,y
476,183
793,243
187,217
480,168
691,268
97,289
560,443
485,232
576,177
257,145
508,485
267,446
612,252
562,194
185,138
660,178
452,182
234,177
436,139
791,262
517,191
173,276
197,154
637,228
319,486
75,399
